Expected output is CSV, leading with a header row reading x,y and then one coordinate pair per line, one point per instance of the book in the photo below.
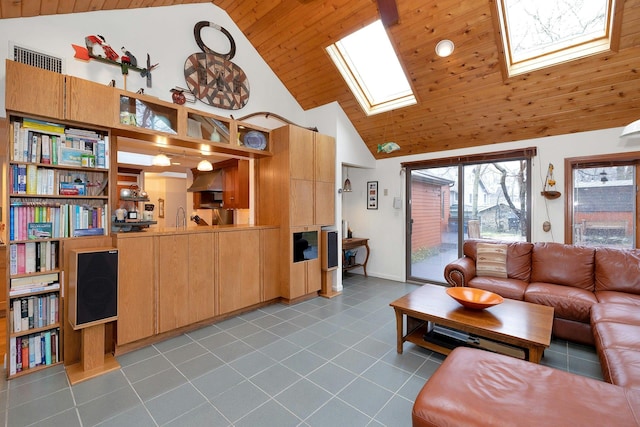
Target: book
x,y
12,356
15,153
30,257
42,126
24,315
39,230
47,347
17,315
18,354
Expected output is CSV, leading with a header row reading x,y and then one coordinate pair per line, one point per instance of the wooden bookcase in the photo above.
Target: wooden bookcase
x,y
55,192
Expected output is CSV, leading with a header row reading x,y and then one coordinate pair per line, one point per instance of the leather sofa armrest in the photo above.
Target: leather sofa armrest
x,y
460,271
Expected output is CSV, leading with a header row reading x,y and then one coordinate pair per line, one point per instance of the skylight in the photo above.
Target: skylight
x,y
542,33
372,70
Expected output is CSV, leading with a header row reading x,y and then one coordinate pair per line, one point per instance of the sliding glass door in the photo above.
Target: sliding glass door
x,y
448,204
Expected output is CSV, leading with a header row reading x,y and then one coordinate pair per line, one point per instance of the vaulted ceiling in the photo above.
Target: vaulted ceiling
x,y
463,100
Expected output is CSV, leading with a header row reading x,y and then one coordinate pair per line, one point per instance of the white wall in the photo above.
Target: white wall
x,y
166,34
386,226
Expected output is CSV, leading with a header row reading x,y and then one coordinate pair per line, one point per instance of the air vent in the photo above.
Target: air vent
x,y
37,59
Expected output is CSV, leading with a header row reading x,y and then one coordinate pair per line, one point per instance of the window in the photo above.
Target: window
x,y
372,70
604,202
542,33
483,196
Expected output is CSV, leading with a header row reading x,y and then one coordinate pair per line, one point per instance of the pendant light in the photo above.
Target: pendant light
x,y
346,188
205,166
161,160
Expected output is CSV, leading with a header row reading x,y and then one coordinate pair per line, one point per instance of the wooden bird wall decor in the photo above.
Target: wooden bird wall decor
x,y
97,48
212,77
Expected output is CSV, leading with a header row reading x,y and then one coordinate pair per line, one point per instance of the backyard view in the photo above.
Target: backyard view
x,y
493,196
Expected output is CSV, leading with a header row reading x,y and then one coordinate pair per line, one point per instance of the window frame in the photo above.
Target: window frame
x,y
606,160
609,42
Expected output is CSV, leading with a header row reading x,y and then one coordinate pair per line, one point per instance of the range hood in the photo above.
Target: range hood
x,y
207,181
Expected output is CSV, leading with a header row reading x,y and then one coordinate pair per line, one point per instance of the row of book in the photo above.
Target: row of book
x,y
33,257
33,312
64,220
36,141
33,180
28,352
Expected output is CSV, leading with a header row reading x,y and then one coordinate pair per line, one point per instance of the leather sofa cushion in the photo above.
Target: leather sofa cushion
x,y
621,366
518,256
619,313
617,335
563,264
617,270
507,288
478,388
614,297
568,302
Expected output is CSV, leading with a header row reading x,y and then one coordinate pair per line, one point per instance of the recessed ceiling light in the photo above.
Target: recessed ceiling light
x,y
444,48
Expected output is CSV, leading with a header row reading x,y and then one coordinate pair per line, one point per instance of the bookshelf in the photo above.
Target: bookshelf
x,y
57,190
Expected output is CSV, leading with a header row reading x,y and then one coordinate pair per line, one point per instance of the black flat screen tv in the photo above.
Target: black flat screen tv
x,y
305,246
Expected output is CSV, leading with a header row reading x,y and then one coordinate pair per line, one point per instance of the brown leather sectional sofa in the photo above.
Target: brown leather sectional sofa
x,y
595,293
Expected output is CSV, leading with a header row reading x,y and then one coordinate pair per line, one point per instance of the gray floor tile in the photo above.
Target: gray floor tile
x,y
280,349
585,367
354,361
428,368
386,376
68,418
326,348
204,332
337,413
37,389
271,414
218,340
331,377
303,398
172,343
244,330
304,362
137,416
36,376
174,403
303,338
185,353
373,347
239,400
137,356
412,387
199,366
252,363
104,407
232,351
267,321
396,413
146,368
99,386
407,361
217,381
203,415
261,339
275,379
365,396
284,329
159,383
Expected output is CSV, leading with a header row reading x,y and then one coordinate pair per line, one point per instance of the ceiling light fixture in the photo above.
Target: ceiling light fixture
x,y
161,160
444,48
205,165
631,129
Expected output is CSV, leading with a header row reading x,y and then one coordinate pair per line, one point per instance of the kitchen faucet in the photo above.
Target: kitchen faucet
x,y
182,223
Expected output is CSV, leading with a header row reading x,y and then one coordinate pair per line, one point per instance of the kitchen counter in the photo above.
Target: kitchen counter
x,y
163,231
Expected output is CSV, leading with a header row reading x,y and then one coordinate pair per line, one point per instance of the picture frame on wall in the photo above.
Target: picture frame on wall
x,y
372,195
160,208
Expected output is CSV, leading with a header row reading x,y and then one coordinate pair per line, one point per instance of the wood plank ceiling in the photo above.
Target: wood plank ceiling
x,y
463,100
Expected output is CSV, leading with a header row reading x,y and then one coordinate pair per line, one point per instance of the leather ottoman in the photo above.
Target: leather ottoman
x,y
478,388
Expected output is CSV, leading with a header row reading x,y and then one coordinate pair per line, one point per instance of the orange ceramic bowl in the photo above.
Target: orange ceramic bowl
x,y
476,299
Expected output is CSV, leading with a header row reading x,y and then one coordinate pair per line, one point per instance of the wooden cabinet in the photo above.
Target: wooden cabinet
x,y
173,282
34,91
238,269
297,192
311,166
202,287
90,102
304,275
136,289
236,184
270,258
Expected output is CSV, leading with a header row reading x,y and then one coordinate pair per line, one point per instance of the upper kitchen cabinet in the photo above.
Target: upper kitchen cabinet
x,y
89,102
34,91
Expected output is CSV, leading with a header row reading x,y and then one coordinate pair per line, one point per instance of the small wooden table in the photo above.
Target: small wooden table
x,y
352,243
516,323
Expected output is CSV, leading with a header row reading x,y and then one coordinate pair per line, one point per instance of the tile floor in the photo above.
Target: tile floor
x,y
324,362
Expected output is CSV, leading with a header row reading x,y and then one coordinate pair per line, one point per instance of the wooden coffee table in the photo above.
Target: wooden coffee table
x,y
513,323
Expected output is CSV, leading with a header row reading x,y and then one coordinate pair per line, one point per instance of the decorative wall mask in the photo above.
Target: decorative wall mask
x,y
212,77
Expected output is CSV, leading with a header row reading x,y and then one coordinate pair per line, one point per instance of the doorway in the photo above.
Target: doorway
x,y
450,202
